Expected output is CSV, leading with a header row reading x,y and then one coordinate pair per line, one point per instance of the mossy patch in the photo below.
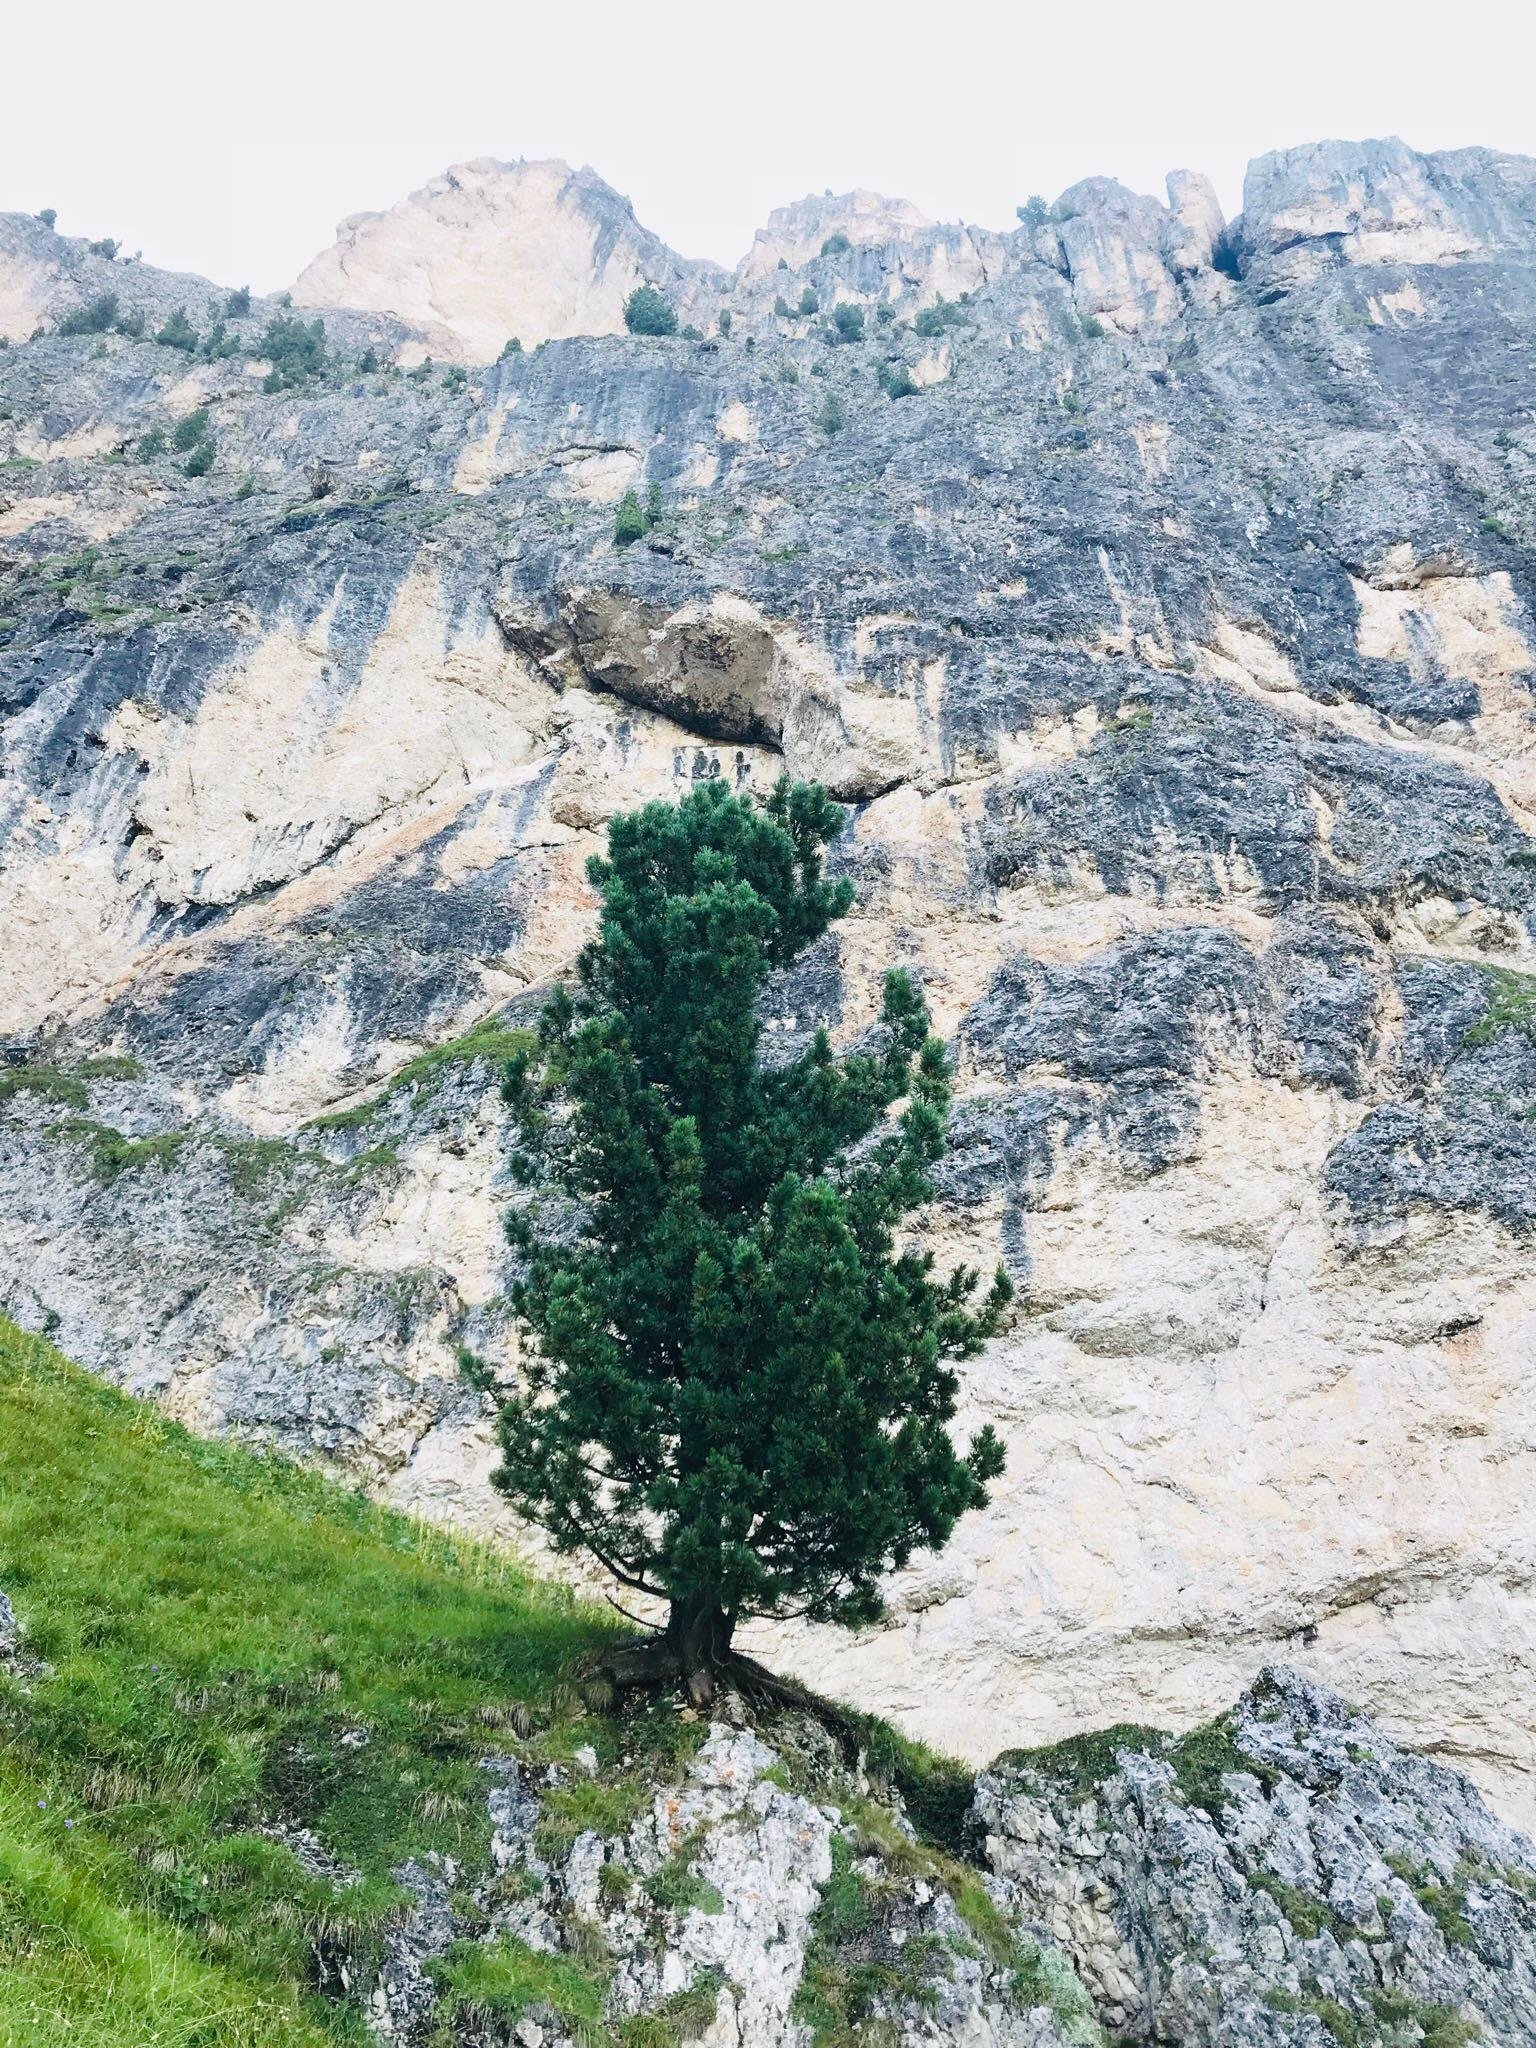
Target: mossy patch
x,y
1511,1006
491,1041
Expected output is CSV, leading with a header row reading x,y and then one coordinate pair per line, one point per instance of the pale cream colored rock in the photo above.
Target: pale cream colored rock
x,y
1224,1436
94,521
485,252
284,764
78,446
28,283
1195,223
1112,240
1406,303
936,367
1308,209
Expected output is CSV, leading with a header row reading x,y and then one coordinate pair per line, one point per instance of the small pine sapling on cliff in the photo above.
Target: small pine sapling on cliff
x,y
649,311
740,1389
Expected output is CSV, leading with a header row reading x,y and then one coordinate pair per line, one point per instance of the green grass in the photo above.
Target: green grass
x,y
77,1967
65,1085
1309,1915
111,1153
220,1627
1446,1905
1080,1764
678,1888
503,1979
491,1040
1202,1759
1511,1006
589,1806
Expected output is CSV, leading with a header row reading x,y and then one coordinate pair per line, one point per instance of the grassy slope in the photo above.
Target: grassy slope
x,y
224,1632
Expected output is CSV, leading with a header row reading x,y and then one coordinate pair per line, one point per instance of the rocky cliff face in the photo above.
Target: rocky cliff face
x,y
1171,643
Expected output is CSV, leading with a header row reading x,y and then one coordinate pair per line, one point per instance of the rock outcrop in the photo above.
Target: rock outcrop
x,y
742,1890
492,252
1285,1876
1380,203
1172,645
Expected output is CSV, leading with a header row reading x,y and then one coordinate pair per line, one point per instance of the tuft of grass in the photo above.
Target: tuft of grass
x,y
1511,1006
219,1625
680,2018
935,1789
503,1979
1080,1764
588,1806
1340,2023
1440,2026
111,1153
1446,1905
66,1086
491,1041
1206,1757
1309,1916
678,1888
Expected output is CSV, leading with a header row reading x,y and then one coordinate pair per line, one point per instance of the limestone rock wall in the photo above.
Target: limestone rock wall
x,y
1172,646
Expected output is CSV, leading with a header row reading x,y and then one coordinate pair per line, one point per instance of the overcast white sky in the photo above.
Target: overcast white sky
x,y
230,140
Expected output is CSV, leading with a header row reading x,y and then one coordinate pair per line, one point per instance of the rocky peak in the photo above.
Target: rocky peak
x,y
490,251
795,234
1375,202
1112,241
1195,227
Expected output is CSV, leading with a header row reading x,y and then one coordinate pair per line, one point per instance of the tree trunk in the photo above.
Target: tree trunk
x,y
699,1637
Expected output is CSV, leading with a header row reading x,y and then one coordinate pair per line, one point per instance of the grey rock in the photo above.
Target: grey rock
x,y
712,1898
1286,1874
1178,678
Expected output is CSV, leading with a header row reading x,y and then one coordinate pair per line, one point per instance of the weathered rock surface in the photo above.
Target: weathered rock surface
x,y
1173,647
489,252
752,1892
1287,1876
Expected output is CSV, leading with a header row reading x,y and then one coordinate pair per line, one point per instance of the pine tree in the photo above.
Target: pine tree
x,y
740,1387
628,521
649,311
178,332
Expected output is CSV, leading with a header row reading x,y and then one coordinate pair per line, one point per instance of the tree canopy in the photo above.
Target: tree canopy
x,y
740,1386
649,311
